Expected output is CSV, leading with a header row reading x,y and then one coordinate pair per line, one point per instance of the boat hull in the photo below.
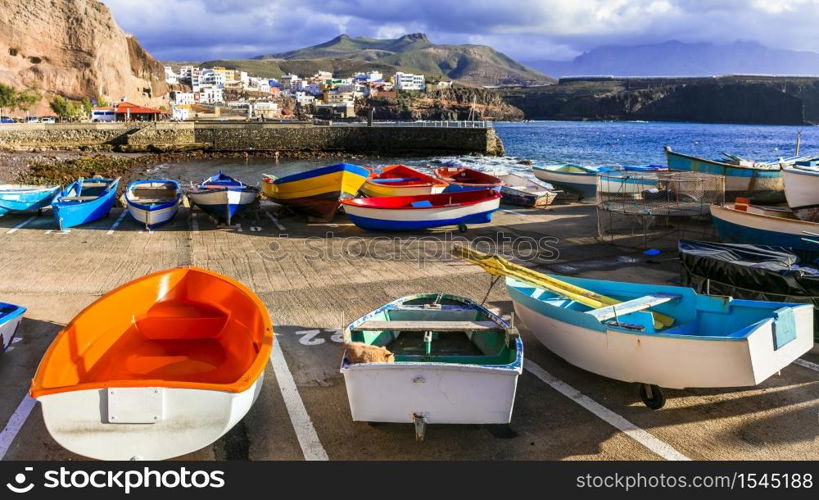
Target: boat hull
x,y
630,185
223,204
13,199
154,217
80,422
318,192
527,199
738,226
374,189
69,214
584,185
696,361
760,185
376,219
8,327
802,192
441,393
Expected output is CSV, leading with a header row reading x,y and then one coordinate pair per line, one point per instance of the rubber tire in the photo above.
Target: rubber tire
x,y
655,403
462,228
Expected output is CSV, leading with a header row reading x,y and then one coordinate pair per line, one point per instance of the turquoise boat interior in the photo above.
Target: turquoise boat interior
x,y
694,316
439,328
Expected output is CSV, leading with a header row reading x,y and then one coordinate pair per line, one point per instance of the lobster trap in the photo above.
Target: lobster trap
x,y
639,209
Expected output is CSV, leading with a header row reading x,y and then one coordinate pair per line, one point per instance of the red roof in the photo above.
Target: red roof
x,y
126,107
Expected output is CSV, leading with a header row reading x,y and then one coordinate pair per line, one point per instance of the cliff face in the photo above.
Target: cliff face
x,y
446,104
709,100
74,48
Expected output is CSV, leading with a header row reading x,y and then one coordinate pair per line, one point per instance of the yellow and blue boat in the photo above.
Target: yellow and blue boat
x,y
317,192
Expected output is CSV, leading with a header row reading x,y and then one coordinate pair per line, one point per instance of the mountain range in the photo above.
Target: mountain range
x,y
477,65
675,58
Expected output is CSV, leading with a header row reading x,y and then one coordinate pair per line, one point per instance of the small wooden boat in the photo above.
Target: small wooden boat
x,y
578,179
223,197
153,202
10,317
317,192
802,189
519,190
466,179
401,180
761,182
741,222
407,213
157,368
655,335
450,361
84,201
25,198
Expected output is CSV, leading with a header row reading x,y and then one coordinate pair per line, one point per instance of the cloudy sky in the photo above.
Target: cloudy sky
x,y
527,30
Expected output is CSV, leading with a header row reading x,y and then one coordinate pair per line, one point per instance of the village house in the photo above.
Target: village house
x,y
409,81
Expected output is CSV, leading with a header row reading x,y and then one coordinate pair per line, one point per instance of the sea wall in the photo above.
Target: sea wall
x,y
251,136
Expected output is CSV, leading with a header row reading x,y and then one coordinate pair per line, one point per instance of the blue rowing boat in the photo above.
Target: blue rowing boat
x,y
84,201
10,317
25,198
223,197
153,202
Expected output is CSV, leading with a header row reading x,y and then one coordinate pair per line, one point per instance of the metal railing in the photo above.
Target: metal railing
x,y
419,123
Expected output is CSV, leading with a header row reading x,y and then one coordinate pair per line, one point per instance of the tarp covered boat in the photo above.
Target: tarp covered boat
x,y
445,360
317,192
406,213
223,197
25,198
157,368
153,202
84,201
466,179
755,272
10,317
761,182
401,180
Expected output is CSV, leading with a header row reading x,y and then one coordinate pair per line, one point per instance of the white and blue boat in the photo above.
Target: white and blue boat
x,y
578,179
10,317
153,202
408,213
802,189
223,197
25,198
699,341
84,201
743,223
761,182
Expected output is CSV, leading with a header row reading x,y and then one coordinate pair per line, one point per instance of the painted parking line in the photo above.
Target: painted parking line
x,y
309,442
21,225
804,363
194,221
15,423
117,222
276,221
646,439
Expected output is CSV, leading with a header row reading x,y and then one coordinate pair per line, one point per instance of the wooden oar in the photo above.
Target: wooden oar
x,y
499,266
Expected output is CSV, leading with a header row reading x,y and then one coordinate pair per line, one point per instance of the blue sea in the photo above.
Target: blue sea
x,y
545,142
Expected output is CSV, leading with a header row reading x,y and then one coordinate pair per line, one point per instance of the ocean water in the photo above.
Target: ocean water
x,y
545,142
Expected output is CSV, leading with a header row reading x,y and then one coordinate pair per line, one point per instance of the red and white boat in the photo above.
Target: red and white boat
x,y
466,179
401,180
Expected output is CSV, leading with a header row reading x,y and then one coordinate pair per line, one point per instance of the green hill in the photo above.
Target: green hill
x,y
467,64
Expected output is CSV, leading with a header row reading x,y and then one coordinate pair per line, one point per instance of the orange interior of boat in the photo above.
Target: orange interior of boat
x,y
184,328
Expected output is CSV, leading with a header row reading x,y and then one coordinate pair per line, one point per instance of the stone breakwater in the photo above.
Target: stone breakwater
x,y
169,137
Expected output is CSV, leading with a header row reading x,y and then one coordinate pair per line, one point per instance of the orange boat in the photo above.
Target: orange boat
x,y
157,368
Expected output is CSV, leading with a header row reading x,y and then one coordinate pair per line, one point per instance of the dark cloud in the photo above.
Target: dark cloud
x,y
524,29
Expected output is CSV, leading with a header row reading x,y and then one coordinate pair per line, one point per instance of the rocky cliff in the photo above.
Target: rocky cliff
x,y
456,103
764,100
74,48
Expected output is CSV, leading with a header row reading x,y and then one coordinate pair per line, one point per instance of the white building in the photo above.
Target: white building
x,y
211,94
184,98
305,99
290,81
372,76
171,78
409,81
244,78
181,113
264,109
215,78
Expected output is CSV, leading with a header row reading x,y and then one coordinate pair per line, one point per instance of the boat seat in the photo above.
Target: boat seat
x,y
95,184
427,326
639,304
78,198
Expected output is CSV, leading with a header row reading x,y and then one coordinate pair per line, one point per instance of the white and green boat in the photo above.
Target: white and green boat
x,y
455,362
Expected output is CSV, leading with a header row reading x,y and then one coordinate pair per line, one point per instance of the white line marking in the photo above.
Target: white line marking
x,y
15,423
118,221
276,221
49,231
20,225
515,213
194,221
807,364
659,447
305,432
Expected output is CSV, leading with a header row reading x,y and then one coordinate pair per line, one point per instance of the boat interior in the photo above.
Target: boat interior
x,y
403,176
446,331
692,314
154,192
179,328
86,190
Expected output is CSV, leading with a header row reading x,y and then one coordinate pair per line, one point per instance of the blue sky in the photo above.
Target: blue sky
x,y
526,30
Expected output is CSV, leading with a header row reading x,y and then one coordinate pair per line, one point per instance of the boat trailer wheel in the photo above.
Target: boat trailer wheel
x,y
652,396
462,228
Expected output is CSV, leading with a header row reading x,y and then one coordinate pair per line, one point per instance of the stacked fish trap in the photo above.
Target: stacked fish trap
x,y
635,208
